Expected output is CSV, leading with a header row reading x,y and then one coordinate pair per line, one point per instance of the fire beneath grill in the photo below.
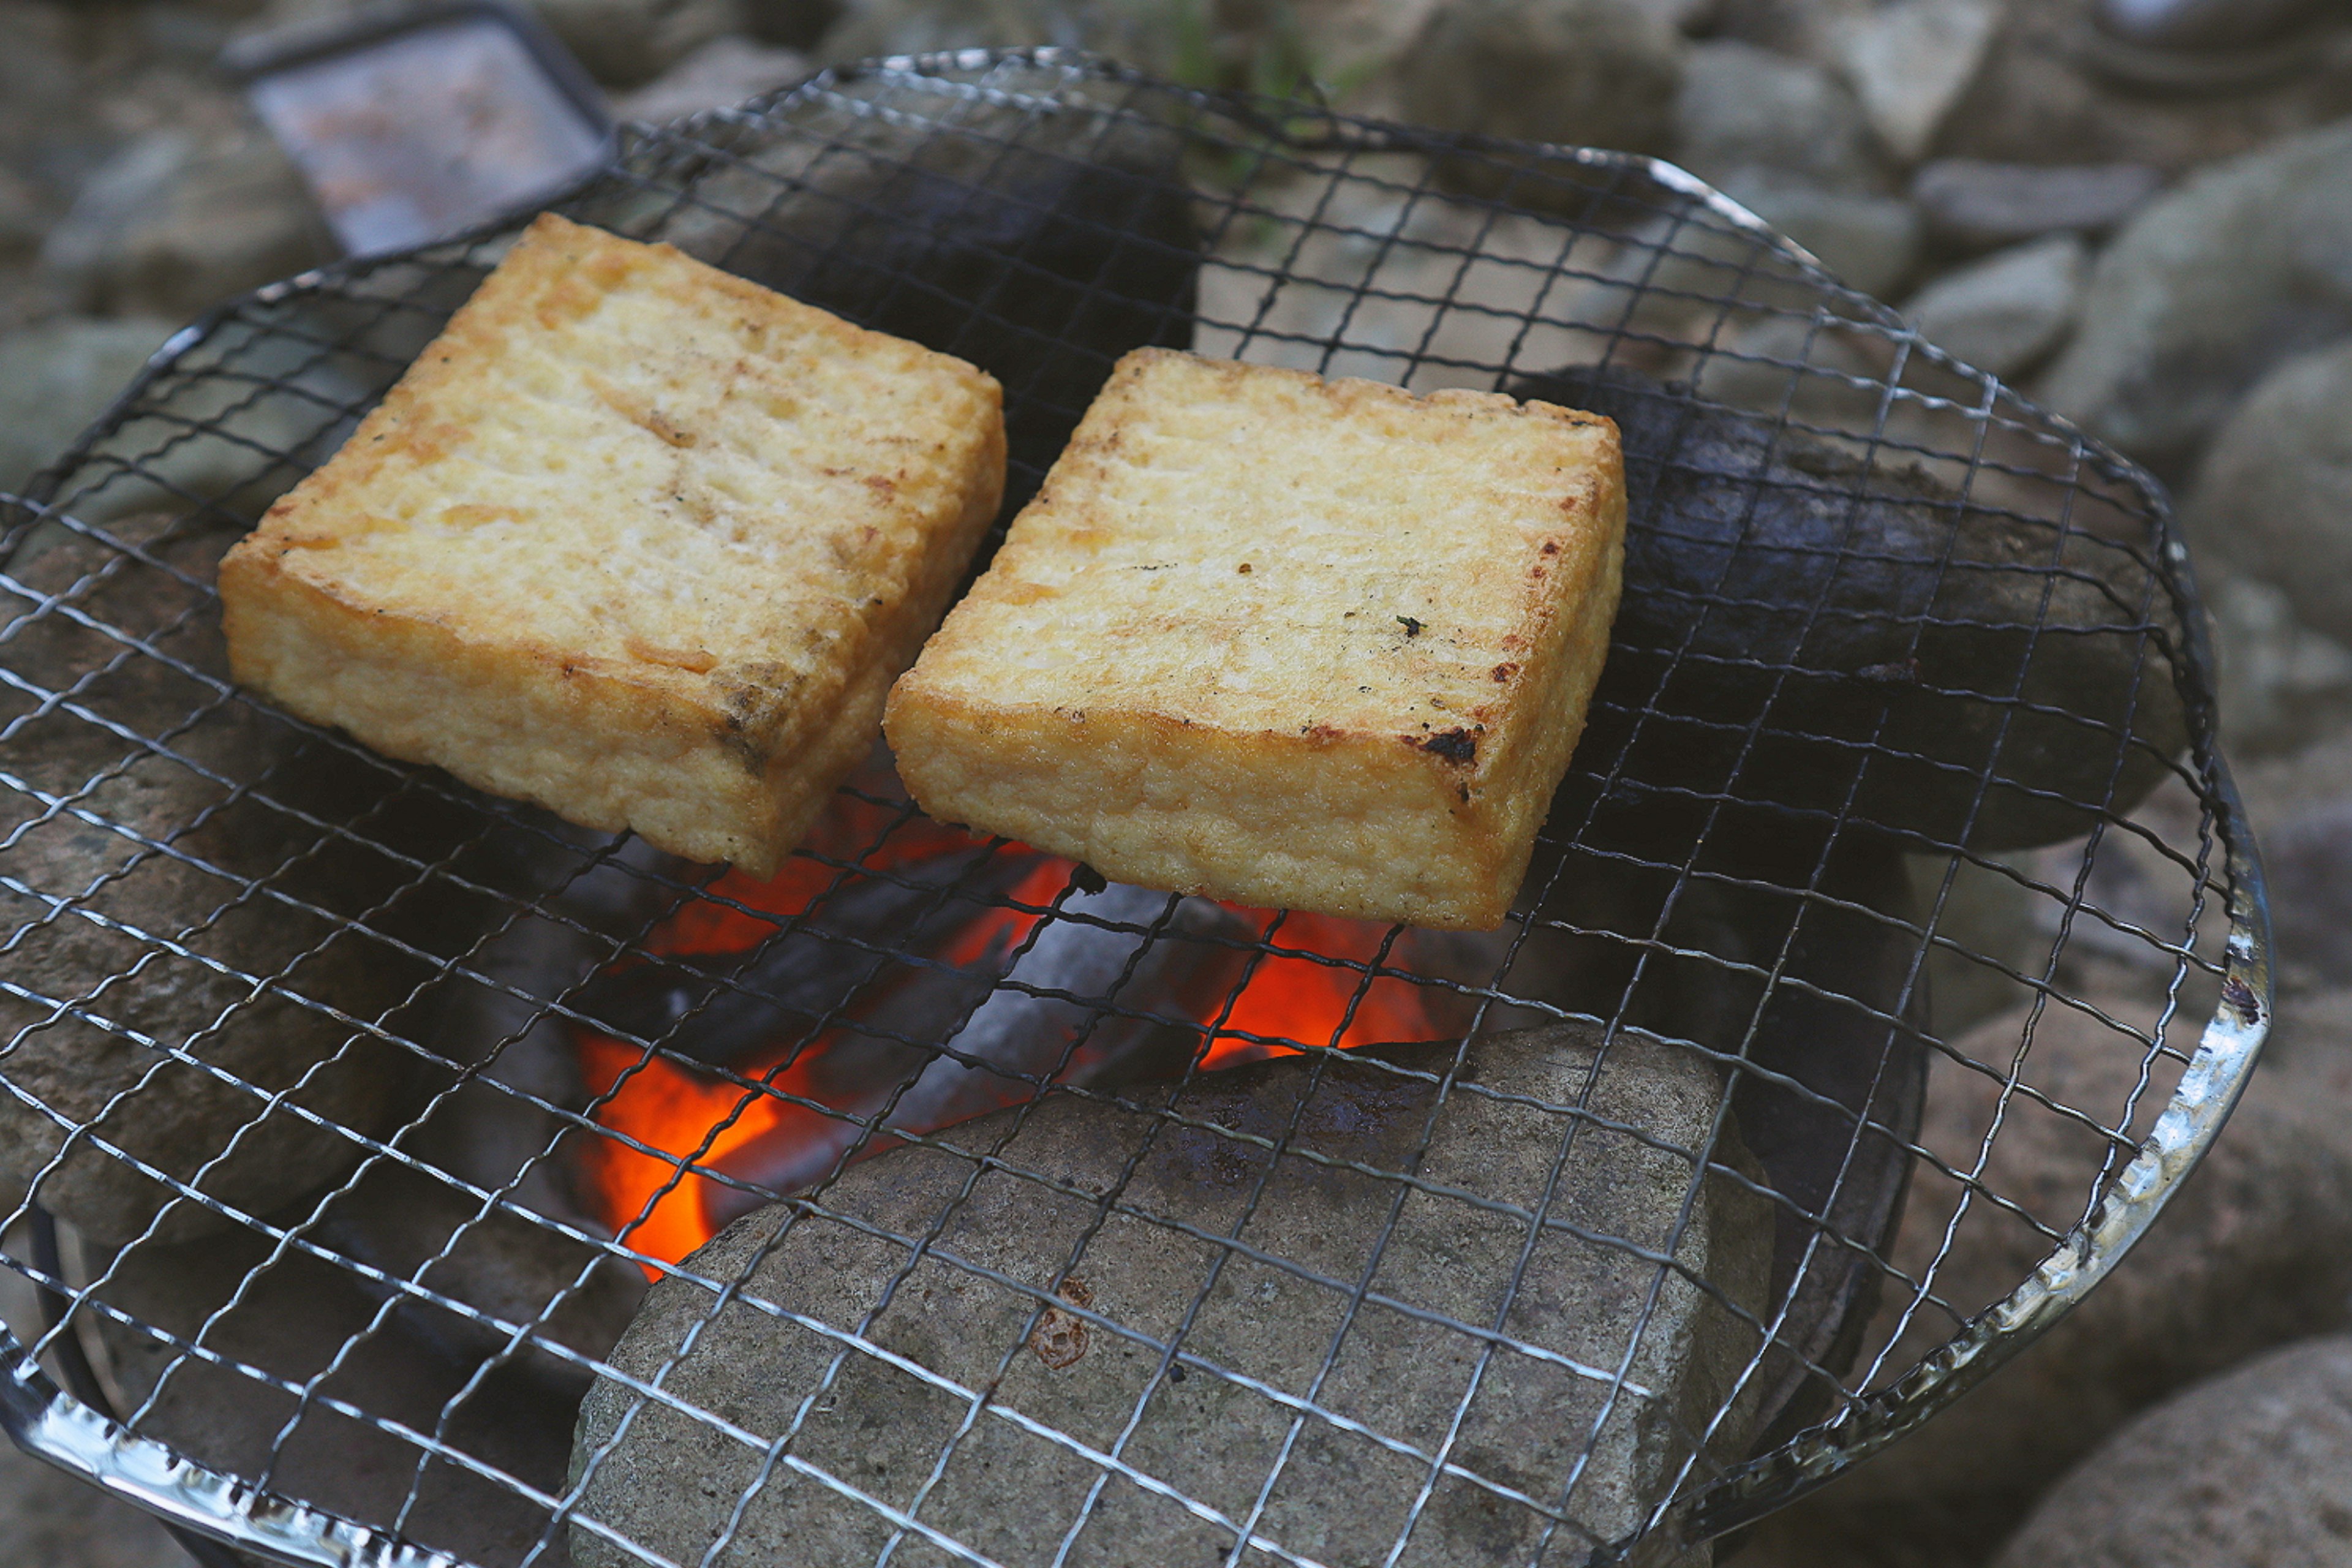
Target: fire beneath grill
x,y
900,976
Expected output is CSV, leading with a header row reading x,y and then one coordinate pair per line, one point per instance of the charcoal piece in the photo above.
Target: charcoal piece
x,y
135,912
1073,1345
1002,1037
1802,630
729,1009
1040,246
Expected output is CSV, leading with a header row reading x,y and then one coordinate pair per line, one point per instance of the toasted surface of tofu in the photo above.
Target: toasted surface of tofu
x,y
1318,645
633,538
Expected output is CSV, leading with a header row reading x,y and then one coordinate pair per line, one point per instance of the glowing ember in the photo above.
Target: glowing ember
x,y
793,1106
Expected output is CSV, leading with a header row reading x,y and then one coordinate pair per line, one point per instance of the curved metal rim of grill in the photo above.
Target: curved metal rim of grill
x,y
51,1423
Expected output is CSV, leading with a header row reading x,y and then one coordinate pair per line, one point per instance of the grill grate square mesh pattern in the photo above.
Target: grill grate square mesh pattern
x,y
356,1110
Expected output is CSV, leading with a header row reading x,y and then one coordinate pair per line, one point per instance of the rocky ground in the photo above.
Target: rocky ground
x,y
2172,269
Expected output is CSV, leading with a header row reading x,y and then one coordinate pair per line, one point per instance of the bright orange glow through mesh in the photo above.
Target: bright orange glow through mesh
x,y
674,1106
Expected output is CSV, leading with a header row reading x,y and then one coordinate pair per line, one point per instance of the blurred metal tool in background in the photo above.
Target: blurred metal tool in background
x,y
422,119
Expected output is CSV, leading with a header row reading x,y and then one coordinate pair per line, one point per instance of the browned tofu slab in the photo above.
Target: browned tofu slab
x,y
1318,645
633,538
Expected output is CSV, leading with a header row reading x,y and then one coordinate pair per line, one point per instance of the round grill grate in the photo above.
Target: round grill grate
x,y
366,1129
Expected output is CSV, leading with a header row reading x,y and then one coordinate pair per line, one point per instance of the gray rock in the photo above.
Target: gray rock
x,y
2274,495
1871,243
101,1063
176,224
1812,29
1743,560
2205,290
722,72
1072,1339
2253,1252
789,24
57,377
2253,1468
25,215
2005,313
2308,857
2281,682
1909,63
625,43
1974,203
1742,106
1600,73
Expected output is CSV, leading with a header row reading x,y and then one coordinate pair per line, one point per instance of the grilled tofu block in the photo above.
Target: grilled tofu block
x,y
1291,642
633,538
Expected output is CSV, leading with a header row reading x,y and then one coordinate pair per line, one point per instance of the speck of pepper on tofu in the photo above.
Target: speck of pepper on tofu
x,y
1321,644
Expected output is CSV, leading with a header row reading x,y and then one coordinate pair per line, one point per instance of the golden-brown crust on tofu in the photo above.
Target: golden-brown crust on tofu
x,y
633,538
1322,645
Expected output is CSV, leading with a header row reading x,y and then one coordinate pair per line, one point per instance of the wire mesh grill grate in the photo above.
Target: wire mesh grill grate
x,y
369,1105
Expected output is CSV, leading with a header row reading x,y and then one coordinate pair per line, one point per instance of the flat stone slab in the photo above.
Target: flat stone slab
x,y
1333,1327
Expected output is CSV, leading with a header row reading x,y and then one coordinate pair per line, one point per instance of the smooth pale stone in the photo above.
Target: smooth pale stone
x,y
2271,494
1742,106
2008,310
1910,61
1159,1267
1978,204
2251,1468
2242,266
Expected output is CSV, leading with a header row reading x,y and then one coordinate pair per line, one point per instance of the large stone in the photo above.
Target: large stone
x,y
1600,73
2253,1468
175,224
625,43
2281,682
2004,313
2040,95
2254,1251
1974,203
2275,493
1909,62
57,377
167,1000
790,24
1871,243
721,73
2207,289
25,215
1245,1264
1779,642
2308,857
1742,106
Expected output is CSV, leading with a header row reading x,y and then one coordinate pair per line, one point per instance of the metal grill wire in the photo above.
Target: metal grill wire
x,y
289,1359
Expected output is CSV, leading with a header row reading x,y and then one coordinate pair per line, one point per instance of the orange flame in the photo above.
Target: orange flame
x,y
664,1205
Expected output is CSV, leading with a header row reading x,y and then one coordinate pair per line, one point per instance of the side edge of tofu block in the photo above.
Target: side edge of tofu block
x,y
606,748
1368,826
1433,831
